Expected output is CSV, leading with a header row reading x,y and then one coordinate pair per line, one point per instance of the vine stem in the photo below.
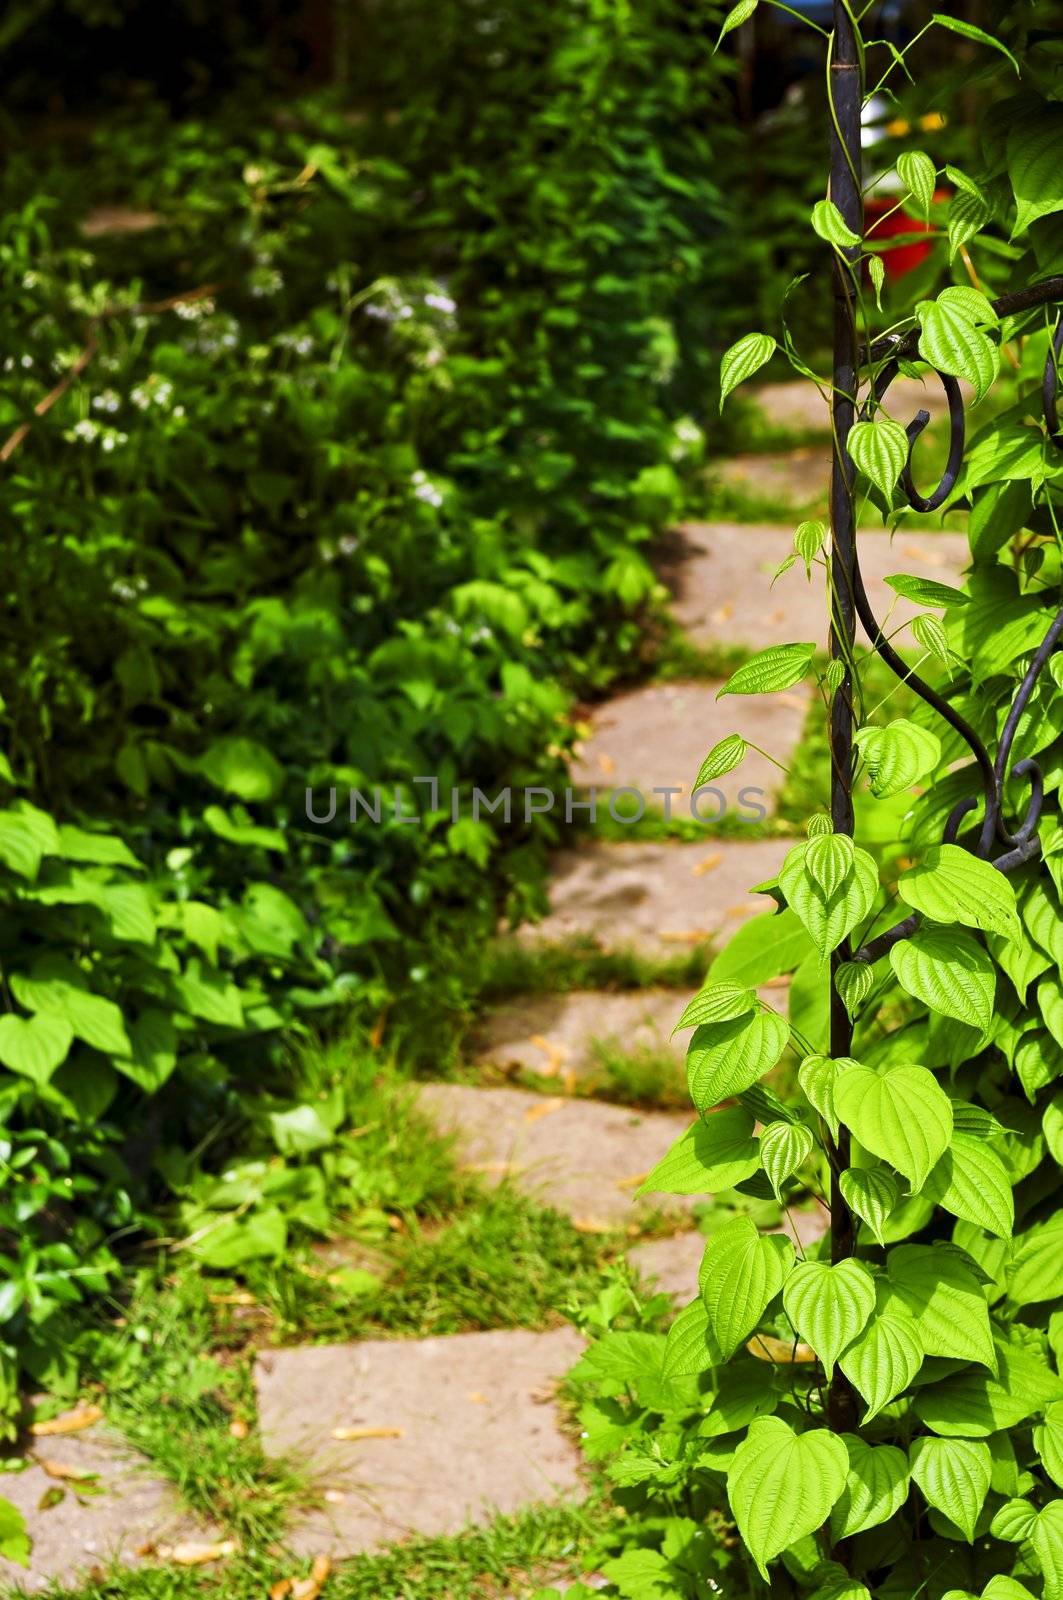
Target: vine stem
x,y
845,86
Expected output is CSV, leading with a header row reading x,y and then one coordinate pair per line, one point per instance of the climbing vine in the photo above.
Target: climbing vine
x,y
882,1412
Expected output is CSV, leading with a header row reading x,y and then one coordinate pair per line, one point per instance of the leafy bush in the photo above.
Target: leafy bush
x,y
335,465
883,1411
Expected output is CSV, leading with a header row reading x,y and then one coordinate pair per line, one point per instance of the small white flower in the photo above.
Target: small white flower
x,y
440,302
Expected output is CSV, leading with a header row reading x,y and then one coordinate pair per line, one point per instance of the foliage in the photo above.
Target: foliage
x,y
882,1416
335,466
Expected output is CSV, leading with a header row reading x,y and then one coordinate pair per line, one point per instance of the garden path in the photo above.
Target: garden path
x,y
374,1420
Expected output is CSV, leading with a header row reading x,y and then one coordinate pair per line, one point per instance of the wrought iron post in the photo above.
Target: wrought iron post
x,y
846,94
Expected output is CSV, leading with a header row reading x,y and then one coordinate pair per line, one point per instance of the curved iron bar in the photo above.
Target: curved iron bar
x,y
1024,843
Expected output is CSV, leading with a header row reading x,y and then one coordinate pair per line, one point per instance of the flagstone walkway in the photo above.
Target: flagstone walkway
x,y
376,1421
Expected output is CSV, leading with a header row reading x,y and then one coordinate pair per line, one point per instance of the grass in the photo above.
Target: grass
x,y
512,1556
511,968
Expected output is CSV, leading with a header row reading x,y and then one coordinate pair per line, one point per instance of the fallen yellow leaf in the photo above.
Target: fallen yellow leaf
x,y
477,1398
310,1588
767,1348
607,765
60,1470
367,1433
67,1422
701,867
544,1109
196,1555
632,1183
280,1589
239,1297
555,1056
238,1428
590,1225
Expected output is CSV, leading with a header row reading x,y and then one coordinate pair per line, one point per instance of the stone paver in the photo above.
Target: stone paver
x,y
720,573
582,1157
791,480
799,406
656,898
655,737
466,1428
554,1035
560,1035
136,1511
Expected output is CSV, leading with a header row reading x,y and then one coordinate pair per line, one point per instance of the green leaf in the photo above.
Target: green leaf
x,y
98,849
829,223
717,1152
829,1306
974,1404
1048,1442
725,1058
926,592
884,1360
1014,1522
817,1076
854,981
784,1146
741,1273
242,767
15,1541
690,1349
753,351
972,1182
34,1046
897,755
763,948
951,885
154,1053
779,667
953,1475
949,341
717,1002
876,268
1046,1537
946,1300
872,1194
968,214
828,860
809,539
948,971
919,176
972,304
20,849
901,1115
722,758
969,31
783,1485
829,918
879,450
734,19
1035,1273
1035,160
299,1131
876,1486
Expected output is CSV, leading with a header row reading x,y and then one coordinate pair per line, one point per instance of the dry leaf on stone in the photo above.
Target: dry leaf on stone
x,y
51,1497
700,868
632,1183
367,1433
533,1113
555,1056
310,1588
590,1225
238,1428
196,1555
60,1470
67,1422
